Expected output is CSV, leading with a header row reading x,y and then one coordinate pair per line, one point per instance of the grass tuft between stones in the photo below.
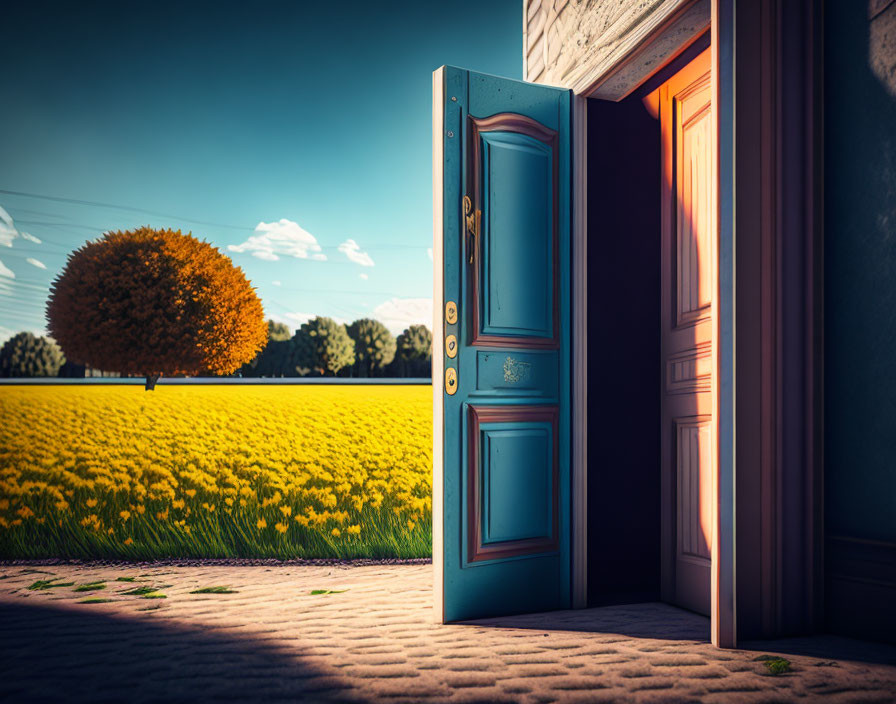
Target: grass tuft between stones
x,y
774,664
42,584
91,587
315,592
214,590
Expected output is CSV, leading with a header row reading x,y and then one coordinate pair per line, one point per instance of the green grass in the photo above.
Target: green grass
x,y
92,587
139,591
214,590
43,584
125,579
315,592
774,664
95,600
153,595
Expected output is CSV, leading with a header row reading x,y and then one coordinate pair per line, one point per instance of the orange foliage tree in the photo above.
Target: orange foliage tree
x,y
154,302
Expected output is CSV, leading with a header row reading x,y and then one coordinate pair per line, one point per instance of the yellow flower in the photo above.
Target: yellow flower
x,y
91,503
125,515
141,509
162,515
129,541
281,527
25,512
177,503
190,492
4,504
302,520
261,523
286,510
353,530
229,501
335,532
61,505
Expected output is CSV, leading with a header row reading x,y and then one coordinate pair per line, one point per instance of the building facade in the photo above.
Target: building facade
x,y
666,275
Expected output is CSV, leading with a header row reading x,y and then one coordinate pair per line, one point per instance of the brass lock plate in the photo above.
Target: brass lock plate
x,y
451,312
451,346
451,381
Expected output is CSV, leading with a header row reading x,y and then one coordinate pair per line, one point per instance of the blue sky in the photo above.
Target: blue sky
x,y
295,136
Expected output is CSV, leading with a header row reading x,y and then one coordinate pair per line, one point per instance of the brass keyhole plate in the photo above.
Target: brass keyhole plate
x,y
451,346
451,312
451,381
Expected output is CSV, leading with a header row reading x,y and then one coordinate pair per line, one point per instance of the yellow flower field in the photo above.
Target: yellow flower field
x,y
215,471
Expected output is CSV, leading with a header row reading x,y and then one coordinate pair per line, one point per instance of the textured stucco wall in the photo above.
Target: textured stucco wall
x,y
860,268
572,43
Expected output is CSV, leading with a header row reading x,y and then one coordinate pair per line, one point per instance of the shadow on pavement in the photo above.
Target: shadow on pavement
x,y
652,620
828,647
56,654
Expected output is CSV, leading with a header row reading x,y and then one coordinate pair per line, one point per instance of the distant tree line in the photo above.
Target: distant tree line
x,y
320,347
323,347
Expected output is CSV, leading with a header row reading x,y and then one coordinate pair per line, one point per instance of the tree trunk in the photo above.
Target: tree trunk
x,y
151,380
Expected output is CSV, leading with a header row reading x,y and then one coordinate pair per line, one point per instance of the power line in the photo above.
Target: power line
x,y
83,226
98,204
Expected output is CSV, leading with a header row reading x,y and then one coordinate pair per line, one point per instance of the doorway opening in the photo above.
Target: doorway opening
x,y
648,442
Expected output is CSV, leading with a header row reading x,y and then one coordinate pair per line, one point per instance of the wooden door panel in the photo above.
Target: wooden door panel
x,y
513,172
686,340
512,497
694,491
694,208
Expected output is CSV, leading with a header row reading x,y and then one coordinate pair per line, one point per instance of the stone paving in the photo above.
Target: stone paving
x,y
273,640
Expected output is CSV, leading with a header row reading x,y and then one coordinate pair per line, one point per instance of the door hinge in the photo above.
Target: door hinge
x,y
472,219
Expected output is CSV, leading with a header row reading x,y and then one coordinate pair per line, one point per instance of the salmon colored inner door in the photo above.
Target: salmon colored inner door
x,y
686,336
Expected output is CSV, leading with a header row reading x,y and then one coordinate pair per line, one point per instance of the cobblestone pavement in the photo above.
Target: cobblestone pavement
x,y
273,640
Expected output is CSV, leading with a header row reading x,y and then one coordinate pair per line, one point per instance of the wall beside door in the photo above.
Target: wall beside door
x,y
623,353
860,317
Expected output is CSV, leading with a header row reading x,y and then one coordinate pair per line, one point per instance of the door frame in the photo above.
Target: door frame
x,y
768,409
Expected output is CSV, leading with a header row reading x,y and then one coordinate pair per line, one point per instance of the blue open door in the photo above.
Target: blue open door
x,y
501,349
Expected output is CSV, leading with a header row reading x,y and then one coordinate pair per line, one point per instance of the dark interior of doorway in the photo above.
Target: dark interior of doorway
x,y
624,368
624,353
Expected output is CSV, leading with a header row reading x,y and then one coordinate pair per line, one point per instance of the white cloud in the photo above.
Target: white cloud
x,y
276,283
352,250
429,254
363,276
36,262
398,313
283,237
8,231
6,271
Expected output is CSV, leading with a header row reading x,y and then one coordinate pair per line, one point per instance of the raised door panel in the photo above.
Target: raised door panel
x,y
694,211
512,499
694,495
513,165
